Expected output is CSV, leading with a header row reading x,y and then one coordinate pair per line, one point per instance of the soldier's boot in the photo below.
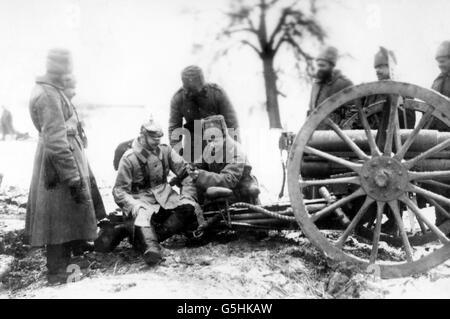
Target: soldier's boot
x,y
148,244
178,221
110,235
79,247
58,257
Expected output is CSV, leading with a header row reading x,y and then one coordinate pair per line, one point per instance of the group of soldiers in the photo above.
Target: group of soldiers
x,y
65,205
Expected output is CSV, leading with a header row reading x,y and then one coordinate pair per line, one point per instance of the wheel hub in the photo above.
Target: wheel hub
x,y
384,178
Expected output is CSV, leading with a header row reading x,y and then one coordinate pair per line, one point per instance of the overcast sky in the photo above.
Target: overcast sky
x,y
131,52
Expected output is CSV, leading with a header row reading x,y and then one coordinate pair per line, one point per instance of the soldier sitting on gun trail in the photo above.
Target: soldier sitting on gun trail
x,y
142,191
224,164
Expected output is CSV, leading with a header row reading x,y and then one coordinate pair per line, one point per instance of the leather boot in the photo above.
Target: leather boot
x,y
58,257
110,235
147,242
79,247
181,219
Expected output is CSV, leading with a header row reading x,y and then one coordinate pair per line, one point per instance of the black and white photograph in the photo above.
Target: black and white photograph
x,y
224,150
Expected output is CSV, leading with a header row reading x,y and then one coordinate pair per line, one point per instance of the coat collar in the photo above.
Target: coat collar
x,y
46,79
144,154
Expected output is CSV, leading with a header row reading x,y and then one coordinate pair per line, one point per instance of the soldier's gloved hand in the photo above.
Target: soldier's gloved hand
x,y
78,190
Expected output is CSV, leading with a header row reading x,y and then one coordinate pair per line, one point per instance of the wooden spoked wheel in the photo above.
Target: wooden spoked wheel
x,y
385,179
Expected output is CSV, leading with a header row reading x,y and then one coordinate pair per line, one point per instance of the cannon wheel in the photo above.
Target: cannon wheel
x,y
371,180
420,238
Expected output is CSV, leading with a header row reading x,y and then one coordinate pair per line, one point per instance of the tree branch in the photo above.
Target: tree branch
x,y
251,30
245,42
279,25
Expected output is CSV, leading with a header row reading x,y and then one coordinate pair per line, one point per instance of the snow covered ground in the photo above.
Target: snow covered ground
x,y
282,265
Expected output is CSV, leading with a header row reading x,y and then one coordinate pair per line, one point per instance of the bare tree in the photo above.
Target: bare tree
x,y
293,26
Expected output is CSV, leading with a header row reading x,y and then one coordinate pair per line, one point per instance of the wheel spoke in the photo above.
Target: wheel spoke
x,y
398,218
375,151
327,210
429,194
411,138
414,176
353,166
436,183
341,180
376,234
422,226
354,222
347,139
443,145
419,214
397,137
439,208
393,117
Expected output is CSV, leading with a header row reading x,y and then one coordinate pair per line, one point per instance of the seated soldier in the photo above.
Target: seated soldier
x,y
142,191
224,164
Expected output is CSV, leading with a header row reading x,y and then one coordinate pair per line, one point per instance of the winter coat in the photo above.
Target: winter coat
x,y
442,85
232,170
53,216
321,91
211,101
142,181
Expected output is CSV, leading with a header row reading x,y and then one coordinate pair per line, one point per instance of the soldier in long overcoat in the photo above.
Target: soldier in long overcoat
x,y
60,209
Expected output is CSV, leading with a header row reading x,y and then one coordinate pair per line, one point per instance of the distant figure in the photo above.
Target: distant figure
x,y
6,126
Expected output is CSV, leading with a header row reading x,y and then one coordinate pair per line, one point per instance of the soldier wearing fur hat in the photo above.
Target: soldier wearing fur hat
x,y
442,85
385,63
195,101
61,210
224,163
442,82
142,191
328,81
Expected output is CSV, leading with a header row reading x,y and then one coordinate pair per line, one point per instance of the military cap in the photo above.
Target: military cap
x,y
329,54
59,61
443,49
191,74
384,56
152,128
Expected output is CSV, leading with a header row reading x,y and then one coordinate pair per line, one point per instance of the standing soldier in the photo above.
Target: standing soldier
x,y
385,64
195,101
442,85
145,196
60,209
328,81
442,82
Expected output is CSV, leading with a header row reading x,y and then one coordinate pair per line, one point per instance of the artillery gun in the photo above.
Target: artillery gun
x,y
352,181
